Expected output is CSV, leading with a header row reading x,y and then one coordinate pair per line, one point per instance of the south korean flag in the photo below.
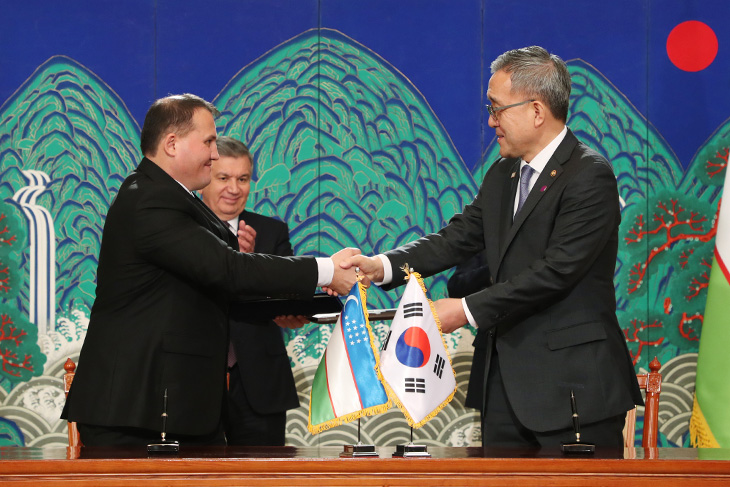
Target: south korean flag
x,y
414,364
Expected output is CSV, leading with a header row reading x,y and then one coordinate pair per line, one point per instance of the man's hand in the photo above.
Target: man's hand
x,y
370,267
246,237
291,321
344,277
451,314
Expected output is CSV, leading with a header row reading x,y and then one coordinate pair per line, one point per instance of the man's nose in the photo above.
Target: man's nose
x,y
232,186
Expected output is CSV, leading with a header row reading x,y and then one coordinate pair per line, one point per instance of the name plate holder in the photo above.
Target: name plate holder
x,y
359,451
410,450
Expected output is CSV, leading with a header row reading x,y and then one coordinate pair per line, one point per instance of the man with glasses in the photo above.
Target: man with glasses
x,y
546,217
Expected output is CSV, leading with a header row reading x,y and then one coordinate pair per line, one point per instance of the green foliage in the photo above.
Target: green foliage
x,y
68,123
20,356
12,241
10,434
347,151
710,162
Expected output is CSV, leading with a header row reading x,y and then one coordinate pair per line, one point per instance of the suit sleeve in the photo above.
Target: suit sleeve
x,y
586,220
469,277
459,240
167,233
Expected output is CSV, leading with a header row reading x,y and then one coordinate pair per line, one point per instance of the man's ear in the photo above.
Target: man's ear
x,y
540,111
168,144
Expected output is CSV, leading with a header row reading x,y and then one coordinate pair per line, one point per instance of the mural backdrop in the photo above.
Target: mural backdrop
x,y
368,126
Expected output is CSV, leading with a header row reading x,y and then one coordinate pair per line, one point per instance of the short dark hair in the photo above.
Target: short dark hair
x,y
230,147
536,73
173,113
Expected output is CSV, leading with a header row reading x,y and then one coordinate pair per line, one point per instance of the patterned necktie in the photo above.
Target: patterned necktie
x,y
525,176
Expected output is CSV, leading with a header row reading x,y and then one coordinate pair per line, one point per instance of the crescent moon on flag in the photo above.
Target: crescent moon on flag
x,y
350,298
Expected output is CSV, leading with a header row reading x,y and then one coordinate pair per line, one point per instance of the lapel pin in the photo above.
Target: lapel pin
x,y
513,175
553,173
543,189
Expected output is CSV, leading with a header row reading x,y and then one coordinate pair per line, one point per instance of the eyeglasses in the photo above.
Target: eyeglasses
x,y
494,110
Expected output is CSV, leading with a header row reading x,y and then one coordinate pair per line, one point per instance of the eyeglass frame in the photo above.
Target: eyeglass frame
x,y
494,111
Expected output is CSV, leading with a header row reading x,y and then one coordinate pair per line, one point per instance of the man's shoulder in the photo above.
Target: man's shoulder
x,y
502,168
587,156
149,181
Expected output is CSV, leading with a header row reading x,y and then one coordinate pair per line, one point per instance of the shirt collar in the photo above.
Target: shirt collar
x,y
233,223
184,187
539,162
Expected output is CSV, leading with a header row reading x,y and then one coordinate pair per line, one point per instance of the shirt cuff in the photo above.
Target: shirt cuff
x,y
387,270
325,271
468,314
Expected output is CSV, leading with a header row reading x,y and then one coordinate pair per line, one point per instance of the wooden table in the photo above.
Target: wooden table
x,y
280,466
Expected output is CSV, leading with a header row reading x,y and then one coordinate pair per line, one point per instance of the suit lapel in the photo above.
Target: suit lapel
x,y
550,174
205,214
509,190
218,226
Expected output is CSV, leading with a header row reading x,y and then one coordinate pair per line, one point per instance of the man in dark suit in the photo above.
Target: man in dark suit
x,y
261,387
547,322
168,267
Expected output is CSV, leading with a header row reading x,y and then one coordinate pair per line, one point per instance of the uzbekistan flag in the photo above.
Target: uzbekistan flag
x,y
414,363
710,423
346,385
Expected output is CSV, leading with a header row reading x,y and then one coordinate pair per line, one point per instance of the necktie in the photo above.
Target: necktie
x,y
525,176
231,355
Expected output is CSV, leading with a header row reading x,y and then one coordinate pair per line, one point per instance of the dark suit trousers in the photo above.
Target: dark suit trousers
x,y
501,428
246,427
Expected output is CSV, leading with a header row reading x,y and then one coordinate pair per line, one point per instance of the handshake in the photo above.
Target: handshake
x,y
349,264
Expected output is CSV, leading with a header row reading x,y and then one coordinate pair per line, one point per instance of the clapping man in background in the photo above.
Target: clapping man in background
x,y
261,386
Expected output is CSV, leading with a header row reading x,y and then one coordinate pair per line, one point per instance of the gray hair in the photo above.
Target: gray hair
x,y
536,73
230,147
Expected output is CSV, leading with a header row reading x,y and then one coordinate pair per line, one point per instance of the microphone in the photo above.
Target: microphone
x,y
576,446
164,445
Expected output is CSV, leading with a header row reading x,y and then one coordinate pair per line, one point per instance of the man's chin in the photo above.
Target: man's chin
x,y
233,211
505,153
200,185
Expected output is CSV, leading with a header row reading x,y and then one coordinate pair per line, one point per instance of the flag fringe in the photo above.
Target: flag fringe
x,y
700,434
371,411
391,393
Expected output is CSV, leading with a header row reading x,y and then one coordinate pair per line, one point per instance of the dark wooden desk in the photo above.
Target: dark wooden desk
x,y
322,466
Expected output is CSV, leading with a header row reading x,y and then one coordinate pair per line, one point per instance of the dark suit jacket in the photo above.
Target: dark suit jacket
x,y
265,369
551,302
167,269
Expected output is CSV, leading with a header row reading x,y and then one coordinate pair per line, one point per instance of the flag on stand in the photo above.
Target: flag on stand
x,y
414,363
346,384
710,422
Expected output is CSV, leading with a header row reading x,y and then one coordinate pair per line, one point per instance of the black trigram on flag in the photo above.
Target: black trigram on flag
x,y
438,366
387,339
412,309
415,385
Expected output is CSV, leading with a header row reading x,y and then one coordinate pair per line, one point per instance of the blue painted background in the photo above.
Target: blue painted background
x,y
145,49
